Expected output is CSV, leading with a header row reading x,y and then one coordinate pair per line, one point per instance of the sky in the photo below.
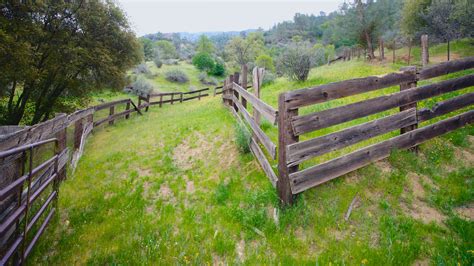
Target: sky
x,y
151,16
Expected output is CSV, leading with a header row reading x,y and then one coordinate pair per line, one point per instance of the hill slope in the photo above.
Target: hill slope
x,y
170,187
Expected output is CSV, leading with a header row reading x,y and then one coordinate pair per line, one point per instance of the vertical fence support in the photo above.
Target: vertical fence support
x,y
236,94
78,129
161,101
199,95
111,112
229,89
244,71
424,50
148,102
257,77
285,138
181,98
382,49
406,86
172,98
127,116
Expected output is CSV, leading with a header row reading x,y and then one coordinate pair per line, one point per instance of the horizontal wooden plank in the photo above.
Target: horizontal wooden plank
x,y
106,105
113,117
316,175
445,107
338,115
267,168
446,68
305,150
266,110
196,91
195,97
332,91
165,94
79,115
262,137
34,133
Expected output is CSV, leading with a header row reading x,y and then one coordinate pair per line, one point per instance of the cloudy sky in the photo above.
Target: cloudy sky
x,y
150,16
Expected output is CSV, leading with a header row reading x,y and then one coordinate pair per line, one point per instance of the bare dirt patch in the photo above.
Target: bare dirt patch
x,y
422,262
419,209
463,155
384,166
190,187
466,212
144,172
197,148
240,250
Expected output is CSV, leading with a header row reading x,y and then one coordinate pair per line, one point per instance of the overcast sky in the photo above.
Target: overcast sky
x,y
150,16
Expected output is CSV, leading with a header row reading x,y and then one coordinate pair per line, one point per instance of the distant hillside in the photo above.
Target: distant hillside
x,y
194,36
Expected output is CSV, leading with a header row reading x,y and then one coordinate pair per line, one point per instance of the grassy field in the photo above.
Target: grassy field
x,y
170,187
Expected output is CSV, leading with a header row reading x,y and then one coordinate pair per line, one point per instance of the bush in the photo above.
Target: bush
x,y
176,76
203,62
157,61
171,62
266,62
296,61
268,78
206,80
242,138
218,70
142,69
141,86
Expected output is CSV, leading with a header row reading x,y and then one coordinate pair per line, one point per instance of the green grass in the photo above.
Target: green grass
x,y
171,187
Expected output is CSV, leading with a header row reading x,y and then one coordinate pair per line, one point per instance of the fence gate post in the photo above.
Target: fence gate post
x,y
244,83
229,89
424,50
406,86
285,137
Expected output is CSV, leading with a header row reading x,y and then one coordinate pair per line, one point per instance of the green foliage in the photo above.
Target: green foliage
x,y
142,69
165,49
218,70
142,86
268,78
203,61
148,50
204,45
176,76
242,138
56,49
266,62
296,60
244,50
157,61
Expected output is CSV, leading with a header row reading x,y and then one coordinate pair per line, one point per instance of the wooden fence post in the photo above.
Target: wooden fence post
x,y
181,98
148,102
229,89
127,116
172,98
244,71
139,101
424,50
285,138
257,78
236,94
199,95
78,129
406,86
161,101
111,112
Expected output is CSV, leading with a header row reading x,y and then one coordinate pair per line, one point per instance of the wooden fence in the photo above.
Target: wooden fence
x,y
291,152
171,97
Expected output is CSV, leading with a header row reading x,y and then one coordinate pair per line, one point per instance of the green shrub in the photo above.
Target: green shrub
x,y
141,86
157,61
142,69
203,61
242,138
176,76
218,70
268,78
266,62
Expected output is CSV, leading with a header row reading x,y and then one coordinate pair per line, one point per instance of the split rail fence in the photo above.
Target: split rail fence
x,y
292,152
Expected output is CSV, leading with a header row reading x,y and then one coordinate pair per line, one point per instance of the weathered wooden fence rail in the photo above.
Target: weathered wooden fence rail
x,y
292,180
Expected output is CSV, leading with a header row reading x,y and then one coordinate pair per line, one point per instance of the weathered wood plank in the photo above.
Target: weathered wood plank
x,y
285,138
107,105
112,117
196,91
266,110
305,150
267,168
316,175
338,115
332,91
261,136
195,97
80,114
445,107
446,68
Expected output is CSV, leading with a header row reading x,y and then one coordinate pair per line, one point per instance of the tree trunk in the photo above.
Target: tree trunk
x,y
370,48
